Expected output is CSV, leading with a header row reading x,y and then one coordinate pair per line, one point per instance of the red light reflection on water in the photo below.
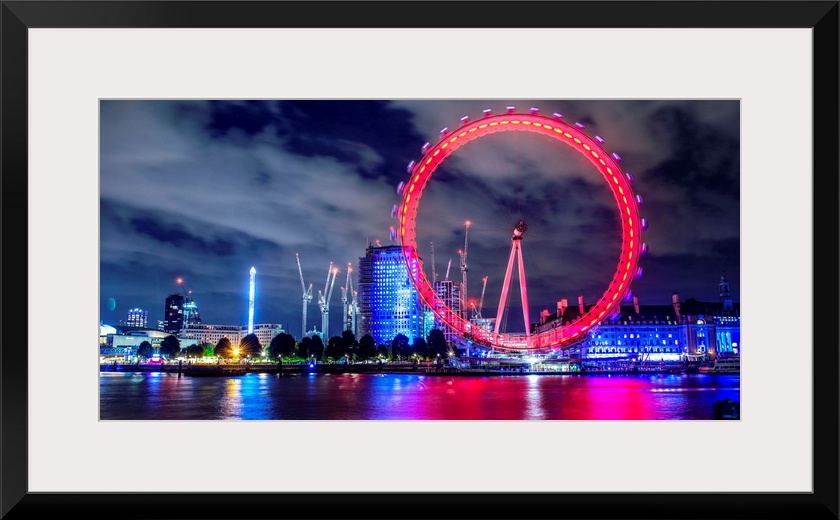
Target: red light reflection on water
x,y
414,397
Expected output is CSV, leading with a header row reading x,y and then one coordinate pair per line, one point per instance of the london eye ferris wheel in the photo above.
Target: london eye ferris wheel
x,y
599,163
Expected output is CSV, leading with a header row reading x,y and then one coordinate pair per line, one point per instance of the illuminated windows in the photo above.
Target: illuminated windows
x,y
388,301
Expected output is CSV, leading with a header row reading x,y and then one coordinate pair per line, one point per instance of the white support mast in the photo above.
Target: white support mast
x,y
515,251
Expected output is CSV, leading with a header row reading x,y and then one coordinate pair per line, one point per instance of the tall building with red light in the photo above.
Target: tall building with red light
x,y
173,313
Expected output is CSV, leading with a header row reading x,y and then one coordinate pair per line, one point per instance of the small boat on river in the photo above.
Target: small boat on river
x,y
723,365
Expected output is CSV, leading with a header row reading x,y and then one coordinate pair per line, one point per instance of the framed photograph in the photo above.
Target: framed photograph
x,y
114,113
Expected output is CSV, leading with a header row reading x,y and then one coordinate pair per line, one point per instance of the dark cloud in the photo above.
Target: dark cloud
x,y
251,117
177,237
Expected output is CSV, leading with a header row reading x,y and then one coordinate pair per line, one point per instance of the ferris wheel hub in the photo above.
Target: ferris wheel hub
x,y
519,229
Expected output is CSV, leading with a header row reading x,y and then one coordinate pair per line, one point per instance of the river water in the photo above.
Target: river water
x,y
165,396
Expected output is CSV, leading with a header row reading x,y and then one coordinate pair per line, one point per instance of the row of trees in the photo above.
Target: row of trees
x,y
284,345
170,347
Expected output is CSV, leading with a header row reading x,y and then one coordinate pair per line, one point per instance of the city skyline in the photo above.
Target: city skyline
x,y
205,190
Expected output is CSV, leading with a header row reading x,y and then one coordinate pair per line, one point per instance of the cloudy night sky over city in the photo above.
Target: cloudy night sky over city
x,y
204,190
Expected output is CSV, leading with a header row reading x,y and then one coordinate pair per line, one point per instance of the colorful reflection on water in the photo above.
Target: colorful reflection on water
x,y
164,396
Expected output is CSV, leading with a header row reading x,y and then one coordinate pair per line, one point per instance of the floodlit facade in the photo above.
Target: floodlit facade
x,y
652,333
265,332
388,301
205,333
123,341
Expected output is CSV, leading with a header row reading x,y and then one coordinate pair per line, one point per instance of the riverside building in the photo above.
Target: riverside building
x,y
658,332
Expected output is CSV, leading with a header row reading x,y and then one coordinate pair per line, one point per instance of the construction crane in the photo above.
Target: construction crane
x,y
324,301
306,298
190,310
354,309
185,317
446,278
434,272
348,288
477,310
180,281
464,268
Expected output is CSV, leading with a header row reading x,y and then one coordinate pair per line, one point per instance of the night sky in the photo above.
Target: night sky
x,y
204,190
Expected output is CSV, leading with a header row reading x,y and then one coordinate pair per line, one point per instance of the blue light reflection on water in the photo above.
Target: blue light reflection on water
x,y
164,396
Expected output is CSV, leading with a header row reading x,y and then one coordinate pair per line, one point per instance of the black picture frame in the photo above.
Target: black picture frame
x,y
19,16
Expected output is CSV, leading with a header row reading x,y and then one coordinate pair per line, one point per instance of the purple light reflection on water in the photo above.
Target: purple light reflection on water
x,y
164,396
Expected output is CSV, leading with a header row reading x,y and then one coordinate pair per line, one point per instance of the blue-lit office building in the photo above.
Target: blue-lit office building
x,y
138,318
388,301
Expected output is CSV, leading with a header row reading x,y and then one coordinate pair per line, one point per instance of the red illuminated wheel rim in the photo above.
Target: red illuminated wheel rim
x,y
605,163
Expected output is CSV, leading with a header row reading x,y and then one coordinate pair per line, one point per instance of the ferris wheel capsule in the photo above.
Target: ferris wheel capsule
x,y
394,211
616,157
443,130
424,147
410,166
393,233
486,112
599,139
465,120
400,187
639,199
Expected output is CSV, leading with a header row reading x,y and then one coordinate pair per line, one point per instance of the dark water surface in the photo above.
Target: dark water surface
x,y
165,396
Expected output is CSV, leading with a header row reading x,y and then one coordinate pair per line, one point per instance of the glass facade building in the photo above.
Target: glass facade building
x,y
191,315
138,318
388,301
451,301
